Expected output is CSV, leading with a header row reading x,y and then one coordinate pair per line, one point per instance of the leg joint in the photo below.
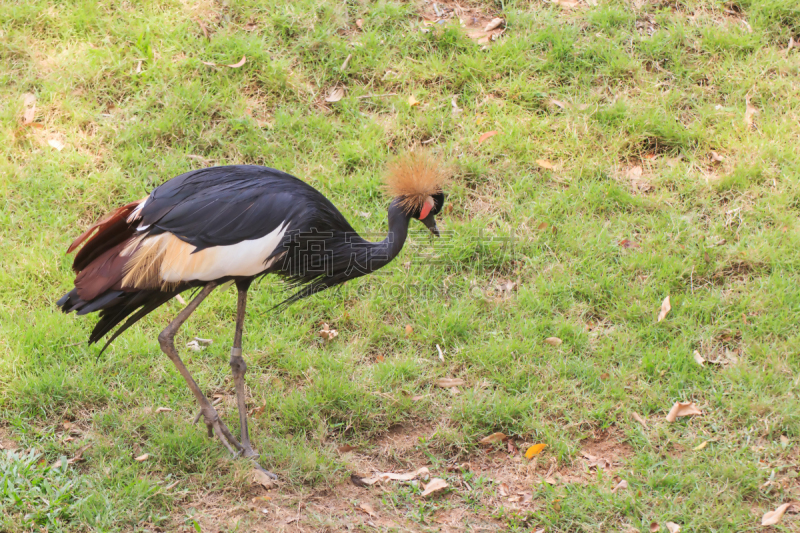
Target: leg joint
x,y
238,366
165,338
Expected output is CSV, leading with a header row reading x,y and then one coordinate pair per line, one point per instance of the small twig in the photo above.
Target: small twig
x,y
346,62
376,95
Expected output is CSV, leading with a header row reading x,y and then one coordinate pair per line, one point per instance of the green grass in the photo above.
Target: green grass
x,y
659,86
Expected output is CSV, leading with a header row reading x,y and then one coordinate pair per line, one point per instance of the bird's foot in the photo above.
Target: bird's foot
x,y
249,453
214,424
269,474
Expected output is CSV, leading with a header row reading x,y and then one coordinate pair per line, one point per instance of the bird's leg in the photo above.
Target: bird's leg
x,y
167,341
239,367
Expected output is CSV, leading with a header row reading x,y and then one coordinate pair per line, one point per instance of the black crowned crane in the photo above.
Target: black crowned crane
x,y
233,224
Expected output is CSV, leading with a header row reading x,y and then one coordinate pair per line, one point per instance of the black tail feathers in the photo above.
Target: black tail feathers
x,y
114,307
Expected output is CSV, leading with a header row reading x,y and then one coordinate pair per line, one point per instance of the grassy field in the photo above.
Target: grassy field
x,y
643,150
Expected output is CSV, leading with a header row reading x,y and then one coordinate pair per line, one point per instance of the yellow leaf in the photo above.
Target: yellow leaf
x,y
412,101
544,163
700,446
535,450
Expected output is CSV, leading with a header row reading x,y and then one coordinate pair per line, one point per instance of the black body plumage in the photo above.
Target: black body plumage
x,y
222,206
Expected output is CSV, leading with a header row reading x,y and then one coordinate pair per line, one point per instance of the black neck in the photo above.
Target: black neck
x,y
381,253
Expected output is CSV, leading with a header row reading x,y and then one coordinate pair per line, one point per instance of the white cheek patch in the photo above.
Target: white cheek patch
x,y
136,213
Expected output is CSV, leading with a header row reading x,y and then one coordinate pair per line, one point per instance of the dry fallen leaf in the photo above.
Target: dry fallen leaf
x,y
716,157
750,110
456,110
535,450
494,24
259,477
346,448
544,163
622,485
327,333
336,94
558,103
503,489
654,527
435,485
357,481
78,457
143,457
553,341
672,527
413,101
486,136
773,517
393,476
409,329
194,346
255,411
683,409
493,438
699,359
55,143
441,353
163,410
625,243
29,102
700,446
511,448
367,508
597,462
239,63
360,24
449,382
784,441
665,308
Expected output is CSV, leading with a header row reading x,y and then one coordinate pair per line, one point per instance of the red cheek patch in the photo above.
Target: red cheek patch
x,y
426,209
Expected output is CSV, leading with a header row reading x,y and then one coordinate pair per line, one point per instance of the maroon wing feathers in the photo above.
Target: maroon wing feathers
x,y
111,230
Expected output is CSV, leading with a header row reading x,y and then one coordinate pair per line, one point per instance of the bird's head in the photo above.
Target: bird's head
x,y
415,180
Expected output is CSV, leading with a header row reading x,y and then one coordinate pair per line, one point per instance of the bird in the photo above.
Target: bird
x,y
232,225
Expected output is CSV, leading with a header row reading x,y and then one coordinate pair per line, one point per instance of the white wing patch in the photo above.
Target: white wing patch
x,y
165,259
137,213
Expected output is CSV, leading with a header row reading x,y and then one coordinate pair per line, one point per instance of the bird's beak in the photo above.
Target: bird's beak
x,y
430,223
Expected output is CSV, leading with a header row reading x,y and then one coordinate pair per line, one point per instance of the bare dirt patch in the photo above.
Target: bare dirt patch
x,y
609,445
6,442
